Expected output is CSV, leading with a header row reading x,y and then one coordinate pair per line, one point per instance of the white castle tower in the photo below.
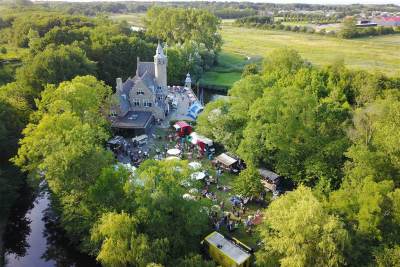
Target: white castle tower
x,y
160,67
188,81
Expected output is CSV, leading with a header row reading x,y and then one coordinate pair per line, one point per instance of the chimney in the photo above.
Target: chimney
x,y
119,85
137,66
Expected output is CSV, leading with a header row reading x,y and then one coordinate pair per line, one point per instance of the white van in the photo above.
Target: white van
x,y
140,140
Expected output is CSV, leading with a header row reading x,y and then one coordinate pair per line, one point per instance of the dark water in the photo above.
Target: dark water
x,y
210,95
34,237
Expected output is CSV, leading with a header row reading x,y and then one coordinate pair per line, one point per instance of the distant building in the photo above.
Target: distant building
x,y
366,23
388,21
143,98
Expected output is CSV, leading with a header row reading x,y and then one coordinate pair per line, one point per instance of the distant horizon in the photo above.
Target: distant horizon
x,y
314,2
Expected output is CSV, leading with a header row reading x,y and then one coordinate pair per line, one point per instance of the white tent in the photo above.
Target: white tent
x,y
195,165
198,176
173,152
196,138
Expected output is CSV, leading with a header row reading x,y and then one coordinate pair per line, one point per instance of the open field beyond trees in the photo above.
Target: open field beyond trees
x,y
376,53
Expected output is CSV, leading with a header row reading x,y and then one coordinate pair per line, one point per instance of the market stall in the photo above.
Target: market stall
x,y
182,128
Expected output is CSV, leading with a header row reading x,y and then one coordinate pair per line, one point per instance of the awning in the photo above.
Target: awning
x,y
196,138
198,176
226,160
173,152
180,124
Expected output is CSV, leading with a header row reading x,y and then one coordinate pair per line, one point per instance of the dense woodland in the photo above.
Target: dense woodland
x,y
332,131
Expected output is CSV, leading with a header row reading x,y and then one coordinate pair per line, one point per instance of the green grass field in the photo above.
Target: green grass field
x,y
134,19
373,54
227,71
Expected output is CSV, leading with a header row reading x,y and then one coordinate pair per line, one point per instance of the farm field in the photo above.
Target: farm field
x,y
374,54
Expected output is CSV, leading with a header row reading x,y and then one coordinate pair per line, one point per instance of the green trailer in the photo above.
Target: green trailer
x,y
226,252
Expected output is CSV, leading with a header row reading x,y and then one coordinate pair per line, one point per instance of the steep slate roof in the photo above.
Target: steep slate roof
x,y
123,96
144,67
148,80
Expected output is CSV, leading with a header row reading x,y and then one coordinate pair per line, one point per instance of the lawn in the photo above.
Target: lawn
x,y
12,52
227,71
226,179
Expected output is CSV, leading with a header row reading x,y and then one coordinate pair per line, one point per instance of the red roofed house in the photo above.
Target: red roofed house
x,y
388,21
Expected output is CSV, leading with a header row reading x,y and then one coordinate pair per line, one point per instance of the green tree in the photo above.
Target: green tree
x,y
389,257
349,28
248,183
14,113
299,231
178,25
121,244
54,65
65,142
250,69
375,150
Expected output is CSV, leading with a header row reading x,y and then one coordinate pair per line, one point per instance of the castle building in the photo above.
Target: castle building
x,y
143,98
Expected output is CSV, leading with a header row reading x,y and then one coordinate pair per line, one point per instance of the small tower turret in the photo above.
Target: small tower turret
x,y
160,66
188,81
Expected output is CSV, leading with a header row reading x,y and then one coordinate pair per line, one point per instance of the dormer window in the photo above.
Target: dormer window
x,y
140,92
147,104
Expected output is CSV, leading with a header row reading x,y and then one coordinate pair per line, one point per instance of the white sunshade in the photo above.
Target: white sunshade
x,y
196,138
173,152
198,176
225,159
195,165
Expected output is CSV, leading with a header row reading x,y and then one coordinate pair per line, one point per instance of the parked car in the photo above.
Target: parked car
x,y
140,140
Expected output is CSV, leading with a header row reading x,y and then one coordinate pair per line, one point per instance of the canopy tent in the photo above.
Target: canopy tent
x,y
225,160
195,165
173,152
182,128
196,138
202,141
198,176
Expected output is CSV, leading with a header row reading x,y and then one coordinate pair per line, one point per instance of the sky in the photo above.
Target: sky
x,y
397,2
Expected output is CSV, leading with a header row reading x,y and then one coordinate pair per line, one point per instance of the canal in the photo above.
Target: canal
x,y
33,236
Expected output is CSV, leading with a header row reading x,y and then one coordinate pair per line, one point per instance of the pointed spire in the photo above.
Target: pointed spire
x,y
159,50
